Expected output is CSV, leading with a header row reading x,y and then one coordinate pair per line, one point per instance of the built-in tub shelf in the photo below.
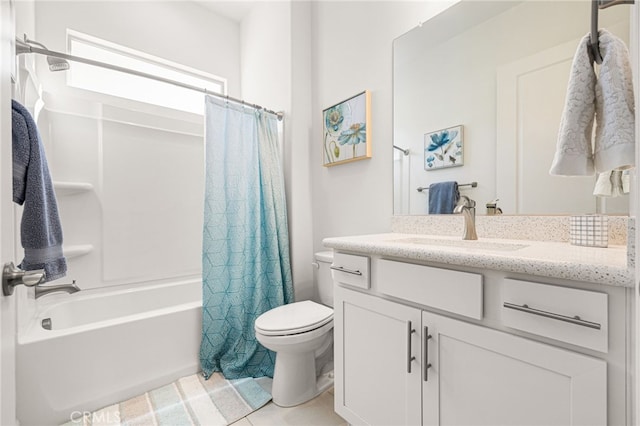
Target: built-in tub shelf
x,y
76,251
69,188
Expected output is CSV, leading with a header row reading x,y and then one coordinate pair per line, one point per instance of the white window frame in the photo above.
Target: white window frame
x,y
138,88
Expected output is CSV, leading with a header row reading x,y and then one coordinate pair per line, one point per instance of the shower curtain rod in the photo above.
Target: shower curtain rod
x,y
22,47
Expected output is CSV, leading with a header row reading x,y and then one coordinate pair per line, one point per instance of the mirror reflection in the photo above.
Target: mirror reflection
x,y
495,74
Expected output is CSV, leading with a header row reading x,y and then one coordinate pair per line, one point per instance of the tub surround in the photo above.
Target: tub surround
x,y
539,246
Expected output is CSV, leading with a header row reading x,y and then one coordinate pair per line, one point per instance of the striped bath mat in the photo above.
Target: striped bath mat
x,y
191,400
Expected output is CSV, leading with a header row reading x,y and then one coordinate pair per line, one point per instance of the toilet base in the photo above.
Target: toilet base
x,y
323,383
295,380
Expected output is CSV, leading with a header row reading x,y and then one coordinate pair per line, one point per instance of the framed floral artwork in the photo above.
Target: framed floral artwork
x,y
346,130
444,148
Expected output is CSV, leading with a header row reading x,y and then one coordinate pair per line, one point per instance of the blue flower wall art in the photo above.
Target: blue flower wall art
x,y
346,130
443,148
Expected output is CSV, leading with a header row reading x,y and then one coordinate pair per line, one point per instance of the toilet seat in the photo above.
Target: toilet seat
x,y
294,318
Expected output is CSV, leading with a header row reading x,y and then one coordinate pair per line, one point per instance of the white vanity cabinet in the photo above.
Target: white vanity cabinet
x,y
402,360
377,362
479,376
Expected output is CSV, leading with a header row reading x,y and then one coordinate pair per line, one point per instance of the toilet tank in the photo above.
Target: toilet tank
x,y
324,282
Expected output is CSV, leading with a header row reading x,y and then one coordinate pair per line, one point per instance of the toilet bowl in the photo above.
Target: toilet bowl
x,y
301,335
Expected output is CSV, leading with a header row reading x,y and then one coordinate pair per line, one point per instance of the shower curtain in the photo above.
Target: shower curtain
x,y
245,262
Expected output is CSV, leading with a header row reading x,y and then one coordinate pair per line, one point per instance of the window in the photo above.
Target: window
x,y
134,87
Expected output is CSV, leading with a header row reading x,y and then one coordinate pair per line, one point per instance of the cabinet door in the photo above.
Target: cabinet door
x,y
482,376
374,346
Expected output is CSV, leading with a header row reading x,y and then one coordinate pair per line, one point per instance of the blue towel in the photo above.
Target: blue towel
x,y
443,197
40,229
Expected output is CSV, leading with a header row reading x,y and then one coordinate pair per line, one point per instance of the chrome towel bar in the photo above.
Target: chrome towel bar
x,y
404,151
426,188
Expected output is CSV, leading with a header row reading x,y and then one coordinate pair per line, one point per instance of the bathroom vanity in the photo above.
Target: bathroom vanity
x,y
435,330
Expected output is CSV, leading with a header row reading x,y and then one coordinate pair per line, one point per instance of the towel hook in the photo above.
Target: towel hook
x,y
594,40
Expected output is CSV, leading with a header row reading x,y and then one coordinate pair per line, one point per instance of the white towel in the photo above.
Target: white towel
x,y
603,186
612,184
574,156
626,181
615,119
608,98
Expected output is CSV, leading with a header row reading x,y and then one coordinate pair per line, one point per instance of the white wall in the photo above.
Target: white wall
x,y
298,160
7,230
352,51
635,197
275,66
25,17
302,57
180,31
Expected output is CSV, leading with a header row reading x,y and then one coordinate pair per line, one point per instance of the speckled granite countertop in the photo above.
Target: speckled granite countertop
x,y
548,259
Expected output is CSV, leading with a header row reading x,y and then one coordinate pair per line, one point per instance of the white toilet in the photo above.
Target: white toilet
x,y
301,335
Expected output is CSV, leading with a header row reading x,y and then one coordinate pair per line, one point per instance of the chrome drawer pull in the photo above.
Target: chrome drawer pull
x,y
348,271
410,358
426,336
573,320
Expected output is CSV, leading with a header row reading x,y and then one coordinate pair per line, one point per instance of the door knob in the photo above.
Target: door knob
x,y
12,276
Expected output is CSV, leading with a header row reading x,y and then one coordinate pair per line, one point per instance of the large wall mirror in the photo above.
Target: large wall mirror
x,y
496,72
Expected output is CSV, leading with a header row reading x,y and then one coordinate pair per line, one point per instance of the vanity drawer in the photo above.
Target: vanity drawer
x,y
350,269
570,315
452,291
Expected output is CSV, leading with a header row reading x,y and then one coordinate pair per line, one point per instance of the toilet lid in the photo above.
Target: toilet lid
x,y
294,318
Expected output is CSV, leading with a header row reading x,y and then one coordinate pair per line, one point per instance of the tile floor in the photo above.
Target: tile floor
x,y
317,412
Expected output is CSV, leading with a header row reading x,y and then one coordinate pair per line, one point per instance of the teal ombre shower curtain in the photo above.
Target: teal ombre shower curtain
x,y
245,261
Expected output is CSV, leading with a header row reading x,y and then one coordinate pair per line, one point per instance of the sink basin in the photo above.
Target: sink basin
x,y
465,244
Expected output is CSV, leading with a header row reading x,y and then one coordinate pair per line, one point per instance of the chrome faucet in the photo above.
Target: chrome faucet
x,y
44,290
467,207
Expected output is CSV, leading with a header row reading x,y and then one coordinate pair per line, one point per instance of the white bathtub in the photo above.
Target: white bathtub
x,y
106,347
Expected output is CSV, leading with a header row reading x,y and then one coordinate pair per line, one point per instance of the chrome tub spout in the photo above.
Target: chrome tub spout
x,y
68,288
467,207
